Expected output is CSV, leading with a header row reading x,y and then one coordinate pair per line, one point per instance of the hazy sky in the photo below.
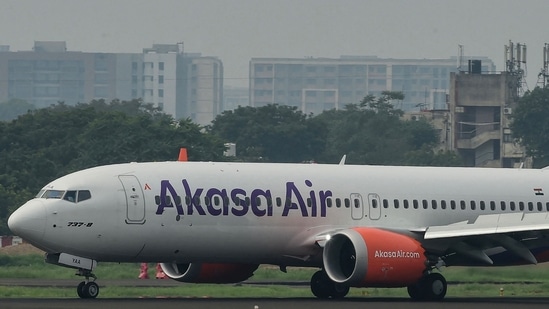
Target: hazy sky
x,y
238,30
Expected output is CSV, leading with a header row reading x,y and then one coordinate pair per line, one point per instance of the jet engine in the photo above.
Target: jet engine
x,y
367,257
208,272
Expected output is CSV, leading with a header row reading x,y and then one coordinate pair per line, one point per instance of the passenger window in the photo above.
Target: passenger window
x,y
309,202
530,206
547,206
406,204
540,206
357,203
521,206
473,205
482,205
492,205
462,205
258,201
443,204
386,203
434,204
84,195
216,200
247,199
395,202
177,200
278,201
512,206
329,202
188,200
269,201
347,203
502,204
453,204
338,202
70,196
207,201
168,200
157,199
425,204
416,204
374,203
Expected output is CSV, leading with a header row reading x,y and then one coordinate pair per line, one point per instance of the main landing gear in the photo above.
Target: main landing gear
x,y
431,287
87,288
323,287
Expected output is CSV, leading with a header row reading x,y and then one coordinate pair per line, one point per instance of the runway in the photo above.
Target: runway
x,y
244,303
275,303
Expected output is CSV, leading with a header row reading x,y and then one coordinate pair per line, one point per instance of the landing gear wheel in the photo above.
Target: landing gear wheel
x,y
87,288
435,287
323,287
432,287
319,284
80,289
415,291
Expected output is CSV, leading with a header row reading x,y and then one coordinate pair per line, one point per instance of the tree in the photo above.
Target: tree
x,y
372,132
275,133
530,124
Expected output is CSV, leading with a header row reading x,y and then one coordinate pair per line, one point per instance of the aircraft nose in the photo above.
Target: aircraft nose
x,y
29,221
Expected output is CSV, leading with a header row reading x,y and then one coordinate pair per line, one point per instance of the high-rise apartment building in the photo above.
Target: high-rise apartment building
x,y
182,85
317,84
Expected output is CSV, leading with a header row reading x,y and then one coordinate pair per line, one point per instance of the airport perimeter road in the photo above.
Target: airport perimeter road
x,y
270,303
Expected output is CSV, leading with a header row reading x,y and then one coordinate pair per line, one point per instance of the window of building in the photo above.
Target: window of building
x,y
161,66
160,79
161,93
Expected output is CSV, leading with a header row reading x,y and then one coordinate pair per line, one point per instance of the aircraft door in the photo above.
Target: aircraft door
x,y
357,211
375,206
135,201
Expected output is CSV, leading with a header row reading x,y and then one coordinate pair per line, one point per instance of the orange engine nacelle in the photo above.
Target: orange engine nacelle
x,y
208,272
363,257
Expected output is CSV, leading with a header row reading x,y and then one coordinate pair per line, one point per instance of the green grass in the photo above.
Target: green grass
x,y
465,282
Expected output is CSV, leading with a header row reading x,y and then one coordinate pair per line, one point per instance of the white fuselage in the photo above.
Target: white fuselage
x,y
258,213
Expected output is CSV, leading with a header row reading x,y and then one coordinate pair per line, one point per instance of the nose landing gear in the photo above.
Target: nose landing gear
x,y
87,288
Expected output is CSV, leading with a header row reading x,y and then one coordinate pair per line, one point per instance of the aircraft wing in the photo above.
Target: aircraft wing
x,y
490,239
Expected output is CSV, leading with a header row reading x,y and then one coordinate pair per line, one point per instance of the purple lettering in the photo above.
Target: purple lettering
x,y
324,195
214,195
256,201
239,202
291,189
194,199
166,186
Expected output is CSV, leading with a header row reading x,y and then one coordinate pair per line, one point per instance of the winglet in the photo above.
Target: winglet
x,y
183,155
342,162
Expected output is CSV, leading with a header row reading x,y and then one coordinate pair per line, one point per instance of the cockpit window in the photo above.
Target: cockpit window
x,y
53,194
73,196
84,195
70,196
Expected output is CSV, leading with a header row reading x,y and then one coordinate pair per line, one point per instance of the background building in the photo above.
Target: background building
x,y
480,109
318,84
183,85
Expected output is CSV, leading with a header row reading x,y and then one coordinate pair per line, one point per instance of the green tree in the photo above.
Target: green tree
x,y
530,124
372,132
274,133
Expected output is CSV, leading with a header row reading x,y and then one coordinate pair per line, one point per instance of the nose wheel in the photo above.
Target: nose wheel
x,y
87,288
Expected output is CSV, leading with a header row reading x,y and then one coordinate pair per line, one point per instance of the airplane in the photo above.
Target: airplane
x,y
360,226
